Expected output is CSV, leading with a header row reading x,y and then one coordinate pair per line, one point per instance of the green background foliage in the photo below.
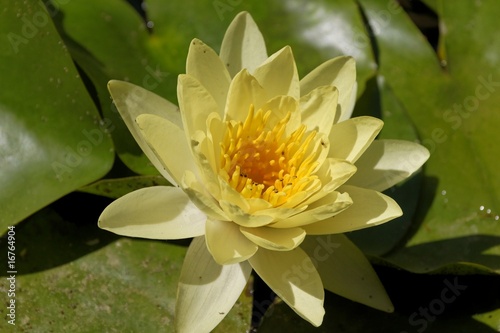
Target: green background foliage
x,y
65,153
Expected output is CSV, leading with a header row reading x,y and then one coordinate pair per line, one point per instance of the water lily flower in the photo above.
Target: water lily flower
x,y
268,170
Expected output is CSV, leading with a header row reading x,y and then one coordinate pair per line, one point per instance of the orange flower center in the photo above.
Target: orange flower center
x,y
266,163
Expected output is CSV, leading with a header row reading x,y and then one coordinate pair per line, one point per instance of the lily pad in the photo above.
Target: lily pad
x,y
52,139
454,111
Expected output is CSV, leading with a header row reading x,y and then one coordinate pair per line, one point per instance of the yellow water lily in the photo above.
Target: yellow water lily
x,y
268,172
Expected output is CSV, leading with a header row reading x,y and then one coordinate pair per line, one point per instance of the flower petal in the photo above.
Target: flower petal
x,y
350,138
274,239
207,290
166,141
348,107
196,104
131,101
280,213
204,201
293,277
280,106
345,270
239,216
243,45
278,74
158,212
207,67
387,162
244,91
318,108
226,243
332,173
369,208
229,194
339,72
202,148
328,206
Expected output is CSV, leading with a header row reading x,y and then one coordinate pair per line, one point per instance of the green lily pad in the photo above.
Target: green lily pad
x,y
52,139
454,111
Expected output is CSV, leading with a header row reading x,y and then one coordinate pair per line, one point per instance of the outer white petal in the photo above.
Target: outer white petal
x,y
243,45
207,290
387,162
131,101
369,208
293,277
350,138
278,74
168,143
345,270
158,212
226,243
339,72
206,66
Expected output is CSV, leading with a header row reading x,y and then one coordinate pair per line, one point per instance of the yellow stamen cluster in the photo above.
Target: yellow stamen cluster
x,y
263,163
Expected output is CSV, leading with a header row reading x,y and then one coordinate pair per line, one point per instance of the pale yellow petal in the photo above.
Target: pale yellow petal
x,y
320,148
258,204
207,291
196,104
387,162
345,270
369,208
280,107
158,212
244,91
168,143
206,66
215,133
318,108
332,173
326,207
245,219
203,152
339,72
131,101
350,138
275,239
226,243
281,213
278,74
243,45
293,277
201,197
348,106
229,194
